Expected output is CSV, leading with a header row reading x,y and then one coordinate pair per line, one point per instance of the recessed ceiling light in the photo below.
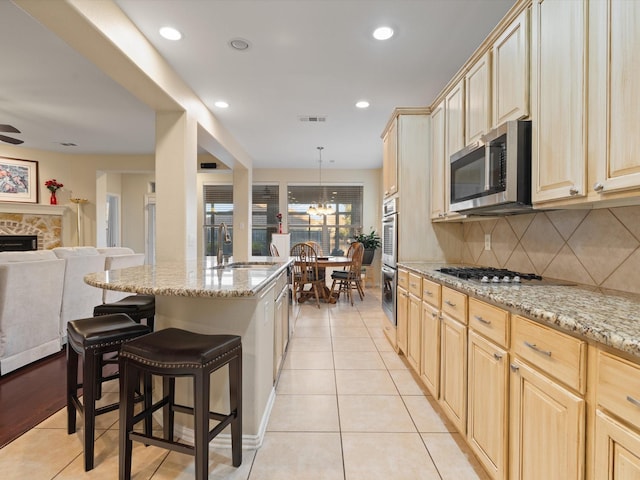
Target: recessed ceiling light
x,y
362,104
239,44
383,33
221,104
170,33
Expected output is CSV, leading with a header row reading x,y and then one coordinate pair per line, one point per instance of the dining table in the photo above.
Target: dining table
x,y
325,262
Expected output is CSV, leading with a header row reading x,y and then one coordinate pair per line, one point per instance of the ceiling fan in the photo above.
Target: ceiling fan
x,y
10,129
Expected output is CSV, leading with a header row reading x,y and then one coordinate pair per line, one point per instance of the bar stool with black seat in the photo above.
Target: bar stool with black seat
x,y
138,307
172,353
88,339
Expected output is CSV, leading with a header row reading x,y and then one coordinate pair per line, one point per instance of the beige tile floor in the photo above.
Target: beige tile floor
x,y
347,408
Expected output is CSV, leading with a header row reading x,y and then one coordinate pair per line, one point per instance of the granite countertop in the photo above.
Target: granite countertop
x,y
193,279
606,317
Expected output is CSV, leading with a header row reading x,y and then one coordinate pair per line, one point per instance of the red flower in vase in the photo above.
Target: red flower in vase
x,y
53,185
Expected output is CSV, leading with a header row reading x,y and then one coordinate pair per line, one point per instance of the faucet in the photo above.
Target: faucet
x,y
226,240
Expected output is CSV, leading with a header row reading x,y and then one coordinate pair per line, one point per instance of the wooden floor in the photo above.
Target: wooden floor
x,y
30,395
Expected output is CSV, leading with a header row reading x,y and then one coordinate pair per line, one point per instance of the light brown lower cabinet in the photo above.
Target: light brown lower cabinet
x,y
402,318
414,332
547,428
617,424
430,360
453,371
617,450
487,425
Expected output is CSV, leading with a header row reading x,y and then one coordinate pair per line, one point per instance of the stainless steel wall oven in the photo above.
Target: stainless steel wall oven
x,y
389,257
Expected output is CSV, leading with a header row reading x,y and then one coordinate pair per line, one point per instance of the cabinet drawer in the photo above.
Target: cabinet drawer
x,y
618,387
454,304
490,321
403,279
415,285
554,353
431,292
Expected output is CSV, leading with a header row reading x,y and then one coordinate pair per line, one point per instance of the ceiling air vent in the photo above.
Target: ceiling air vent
x,y
312,118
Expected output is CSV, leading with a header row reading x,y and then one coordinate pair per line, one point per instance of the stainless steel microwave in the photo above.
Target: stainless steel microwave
x,y
493,176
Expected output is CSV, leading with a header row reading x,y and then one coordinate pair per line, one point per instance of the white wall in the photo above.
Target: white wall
x,y
78,173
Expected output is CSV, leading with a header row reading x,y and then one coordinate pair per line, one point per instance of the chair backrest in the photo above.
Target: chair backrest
x,y
316,246
305,266
357,253
273,250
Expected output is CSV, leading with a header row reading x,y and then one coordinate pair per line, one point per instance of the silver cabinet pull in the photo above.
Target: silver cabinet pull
x,y
427,292
633,401
497,356
434,315
574,191
514,367
413,285
533,346
598,187
449,303
482,320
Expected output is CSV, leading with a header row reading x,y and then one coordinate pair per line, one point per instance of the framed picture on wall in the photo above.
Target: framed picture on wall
x,y
18,180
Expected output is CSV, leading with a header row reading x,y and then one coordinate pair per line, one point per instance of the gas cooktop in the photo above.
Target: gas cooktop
x,y
497,276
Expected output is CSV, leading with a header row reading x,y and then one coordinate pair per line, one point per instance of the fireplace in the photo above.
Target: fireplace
x,y
18,243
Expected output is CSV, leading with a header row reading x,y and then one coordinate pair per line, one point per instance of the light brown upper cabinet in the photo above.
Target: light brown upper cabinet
x,y
454,136
477,87
510,72
614,97
390,159
438,159
558,98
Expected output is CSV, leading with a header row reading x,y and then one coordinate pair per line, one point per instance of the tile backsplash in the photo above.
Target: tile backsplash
x,y
593,247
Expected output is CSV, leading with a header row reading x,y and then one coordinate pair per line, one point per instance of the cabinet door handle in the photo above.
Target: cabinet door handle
x,y
633,401
449,303
574,191
413,285
514,367
533,346
482,320
598,187
427,292
497,356
434,315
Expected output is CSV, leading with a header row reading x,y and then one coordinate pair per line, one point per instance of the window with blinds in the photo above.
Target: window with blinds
x,y
333,232
218,208
265,207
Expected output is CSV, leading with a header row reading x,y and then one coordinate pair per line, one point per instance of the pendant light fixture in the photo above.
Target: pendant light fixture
x,y
322,207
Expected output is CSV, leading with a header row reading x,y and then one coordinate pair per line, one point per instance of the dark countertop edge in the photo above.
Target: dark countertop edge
x,y
585,328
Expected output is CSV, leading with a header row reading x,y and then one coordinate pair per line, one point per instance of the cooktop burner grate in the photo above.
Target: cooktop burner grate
x,y
489,274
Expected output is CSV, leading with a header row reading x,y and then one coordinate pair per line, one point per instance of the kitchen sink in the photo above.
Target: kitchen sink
x,y
246,266
261,265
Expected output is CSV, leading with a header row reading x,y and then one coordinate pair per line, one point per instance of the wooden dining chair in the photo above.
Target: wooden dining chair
x,y
305,272
351,276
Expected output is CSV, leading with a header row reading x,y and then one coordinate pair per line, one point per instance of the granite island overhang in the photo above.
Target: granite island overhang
x,y
235,298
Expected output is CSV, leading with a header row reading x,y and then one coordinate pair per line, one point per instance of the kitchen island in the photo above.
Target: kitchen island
x,y
249,299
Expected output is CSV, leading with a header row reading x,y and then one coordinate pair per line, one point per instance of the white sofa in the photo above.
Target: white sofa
x,y
78,298
115,259
31,285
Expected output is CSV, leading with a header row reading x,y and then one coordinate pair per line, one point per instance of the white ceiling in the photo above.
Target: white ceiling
x,y
307,57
